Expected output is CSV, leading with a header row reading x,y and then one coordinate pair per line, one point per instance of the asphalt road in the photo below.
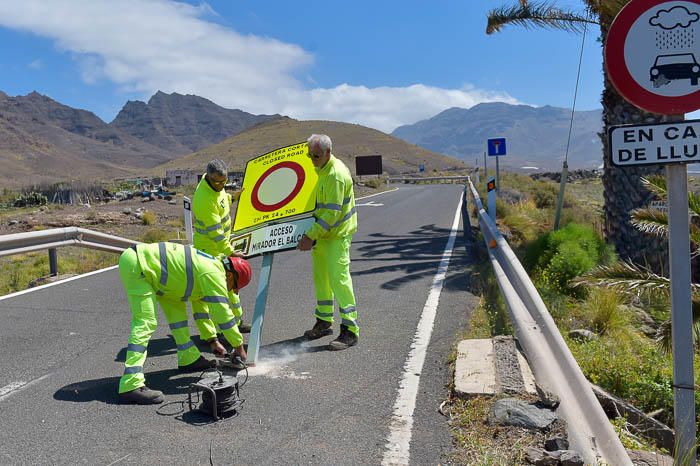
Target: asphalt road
x,y
63,349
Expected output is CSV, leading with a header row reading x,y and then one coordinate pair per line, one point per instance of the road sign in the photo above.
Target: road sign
x,y
496,147
652,55
368,165
272,238
662,143
276,185
421,168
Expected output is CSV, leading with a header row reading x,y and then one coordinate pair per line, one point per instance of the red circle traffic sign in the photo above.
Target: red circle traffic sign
x,y
651,56
263,206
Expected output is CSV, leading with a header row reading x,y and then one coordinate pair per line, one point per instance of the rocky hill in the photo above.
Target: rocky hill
x,y
536,136
182,124
349,140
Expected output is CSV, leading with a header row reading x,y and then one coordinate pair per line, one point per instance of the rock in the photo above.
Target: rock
x,y
515,412
126,210
541,458
582,335
13,222
172,202
649,458
547,398
570,458
558,442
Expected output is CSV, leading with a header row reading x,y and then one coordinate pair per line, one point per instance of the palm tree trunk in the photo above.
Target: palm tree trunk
x,y
623,190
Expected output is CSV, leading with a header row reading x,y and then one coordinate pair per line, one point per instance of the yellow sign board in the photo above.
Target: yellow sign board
x,y
276,186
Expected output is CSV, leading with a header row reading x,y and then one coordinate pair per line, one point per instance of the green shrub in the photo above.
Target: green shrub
x,y
154,235
561,255
605,311
374,182
148,217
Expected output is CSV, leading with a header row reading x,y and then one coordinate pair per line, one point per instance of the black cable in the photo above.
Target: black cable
x,y
573,108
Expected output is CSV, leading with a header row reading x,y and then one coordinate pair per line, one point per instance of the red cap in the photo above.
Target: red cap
x,y
242,269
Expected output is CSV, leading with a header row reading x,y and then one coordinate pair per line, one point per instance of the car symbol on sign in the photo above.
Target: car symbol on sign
x,y
675,66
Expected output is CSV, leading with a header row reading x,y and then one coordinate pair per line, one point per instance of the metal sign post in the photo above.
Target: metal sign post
x,y
187,213
260,303
655,71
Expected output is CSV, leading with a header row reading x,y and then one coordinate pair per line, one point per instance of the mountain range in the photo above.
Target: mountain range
x,y
42,140
535,136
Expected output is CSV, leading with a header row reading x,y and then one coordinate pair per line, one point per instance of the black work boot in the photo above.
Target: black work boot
x,y
321,329
141,396
200,365
345,340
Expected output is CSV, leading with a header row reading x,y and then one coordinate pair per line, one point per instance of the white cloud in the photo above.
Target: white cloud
x,y
36,64
149,45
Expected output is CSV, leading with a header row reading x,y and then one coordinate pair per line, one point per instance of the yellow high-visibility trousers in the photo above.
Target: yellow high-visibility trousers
x,y
330,259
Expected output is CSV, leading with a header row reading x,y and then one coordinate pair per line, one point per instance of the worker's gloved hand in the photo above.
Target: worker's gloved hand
x,y
217,348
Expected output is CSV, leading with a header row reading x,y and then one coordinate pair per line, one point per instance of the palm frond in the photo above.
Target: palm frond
x,y
664,338
609,8
652,221
543,15
656,184
624,276
694,202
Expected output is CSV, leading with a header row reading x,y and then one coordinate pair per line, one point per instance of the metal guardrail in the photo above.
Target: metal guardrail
x,y
415,179
554,367
20,243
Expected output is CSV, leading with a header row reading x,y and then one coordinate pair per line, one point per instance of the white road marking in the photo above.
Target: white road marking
x,y
15,387
376,194
37,288
370,203
399,442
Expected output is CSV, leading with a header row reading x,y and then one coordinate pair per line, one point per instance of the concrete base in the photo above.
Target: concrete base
x,y
477,371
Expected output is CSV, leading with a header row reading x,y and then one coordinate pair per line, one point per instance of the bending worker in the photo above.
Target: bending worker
x,y
173,274
211,208
336,221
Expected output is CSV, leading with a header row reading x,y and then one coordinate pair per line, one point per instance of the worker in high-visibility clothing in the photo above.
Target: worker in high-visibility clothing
x,y
211,209
172,274
329,240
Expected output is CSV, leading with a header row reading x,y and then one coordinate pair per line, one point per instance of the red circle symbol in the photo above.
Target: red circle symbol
x,y
255,198
620,75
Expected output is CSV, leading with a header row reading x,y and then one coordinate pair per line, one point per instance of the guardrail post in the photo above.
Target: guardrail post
x,y
53,262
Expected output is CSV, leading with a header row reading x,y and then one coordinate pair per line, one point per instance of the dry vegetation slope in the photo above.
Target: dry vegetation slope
x,y
349,140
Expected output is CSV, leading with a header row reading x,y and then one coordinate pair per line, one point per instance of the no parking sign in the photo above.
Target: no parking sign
x,y
276,185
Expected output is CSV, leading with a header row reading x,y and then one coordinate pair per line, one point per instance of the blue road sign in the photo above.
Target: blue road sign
x,y
496,147
421,168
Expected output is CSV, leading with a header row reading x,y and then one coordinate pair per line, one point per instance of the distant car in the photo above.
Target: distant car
x,y
675,66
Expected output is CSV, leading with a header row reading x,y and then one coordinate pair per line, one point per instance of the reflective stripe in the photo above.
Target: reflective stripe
x,y
215,299
177,325
190,274
136,348
219,238
346,200
325,303
346,217
200,231
235,305
198,221
187,345
227,228
133,370
209,256
349,323
214,227
348,310
163,264
200,315
159,293
323,314
337,207
323,224
228,325
225,218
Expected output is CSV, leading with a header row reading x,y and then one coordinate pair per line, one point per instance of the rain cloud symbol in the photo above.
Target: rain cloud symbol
x,y
678,16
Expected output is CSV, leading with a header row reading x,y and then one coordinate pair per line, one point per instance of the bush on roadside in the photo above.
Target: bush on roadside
x,y
148,218
155,235
374,182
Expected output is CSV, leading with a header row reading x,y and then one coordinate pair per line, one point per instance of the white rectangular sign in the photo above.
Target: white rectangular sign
x,y
661,143
271,238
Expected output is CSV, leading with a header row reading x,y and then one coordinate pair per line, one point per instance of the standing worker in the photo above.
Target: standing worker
x,y
329,240
211,208
172,274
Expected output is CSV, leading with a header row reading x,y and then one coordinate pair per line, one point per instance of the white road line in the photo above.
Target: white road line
x,y
399,442
15,387
376,194
37,288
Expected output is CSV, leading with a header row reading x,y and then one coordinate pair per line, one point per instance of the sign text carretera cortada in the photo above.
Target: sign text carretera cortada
x,y
276,185
655,144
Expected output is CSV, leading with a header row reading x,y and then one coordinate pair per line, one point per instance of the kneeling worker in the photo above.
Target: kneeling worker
x,y
173,274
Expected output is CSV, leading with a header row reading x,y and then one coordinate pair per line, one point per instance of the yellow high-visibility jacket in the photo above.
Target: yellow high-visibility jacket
x,y
211,221
335,202
181,273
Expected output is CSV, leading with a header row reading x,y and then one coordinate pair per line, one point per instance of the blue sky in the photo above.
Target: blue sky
x,y
378,63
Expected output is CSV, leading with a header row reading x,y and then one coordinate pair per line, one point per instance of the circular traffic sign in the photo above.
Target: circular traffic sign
x,y
652,55
278,186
